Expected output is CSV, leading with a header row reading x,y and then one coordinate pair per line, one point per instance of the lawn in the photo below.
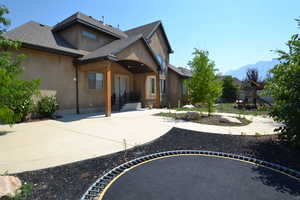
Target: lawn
x,y
228,108
205,119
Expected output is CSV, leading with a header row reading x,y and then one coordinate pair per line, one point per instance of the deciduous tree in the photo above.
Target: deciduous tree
x,y
204,86
284,86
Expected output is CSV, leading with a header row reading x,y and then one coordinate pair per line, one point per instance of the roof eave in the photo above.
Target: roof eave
x,y
102,58
66,25
48,49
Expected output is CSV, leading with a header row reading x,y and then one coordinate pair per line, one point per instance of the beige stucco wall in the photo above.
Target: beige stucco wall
x,y
174,88
158,45
74,36
92,99
56,73
138,52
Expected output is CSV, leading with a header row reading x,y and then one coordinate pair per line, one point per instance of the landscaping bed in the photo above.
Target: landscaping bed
x,y
72,180
205,119
229,108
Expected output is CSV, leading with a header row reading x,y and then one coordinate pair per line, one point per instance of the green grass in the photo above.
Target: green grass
x,y
204,119
227,108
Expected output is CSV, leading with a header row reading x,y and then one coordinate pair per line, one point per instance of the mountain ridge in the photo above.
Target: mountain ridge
x,y
262,66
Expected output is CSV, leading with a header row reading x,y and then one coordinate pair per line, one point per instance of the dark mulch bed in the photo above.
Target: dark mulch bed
x,y
205,119
72,180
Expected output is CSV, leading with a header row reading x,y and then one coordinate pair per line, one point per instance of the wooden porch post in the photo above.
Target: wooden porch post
x,y
157,90
107,90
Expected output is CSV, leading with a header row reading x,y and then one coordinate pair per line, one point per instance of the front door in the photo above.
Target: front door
x,y
121,85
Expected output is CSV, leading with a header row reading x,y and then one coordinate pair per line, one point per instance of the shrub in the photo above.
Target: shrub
x,y
283,85
15,94
47,106
230,90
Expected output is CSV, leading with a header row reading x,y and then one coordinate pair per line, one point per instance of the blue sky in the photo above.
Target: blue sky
x,y
235,32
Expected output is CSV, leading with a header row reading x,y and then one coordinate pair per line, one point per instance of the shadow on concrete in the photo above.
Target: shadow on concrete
x,y
78,117
280,153
2,133
280,182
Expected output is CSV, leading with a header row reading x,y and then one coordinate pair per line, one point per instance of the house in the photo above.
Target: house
x,y
177,92
91,66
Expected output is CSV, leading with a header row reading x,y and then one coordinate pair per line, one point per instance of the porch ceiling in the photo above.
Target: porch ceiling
x,y
134,66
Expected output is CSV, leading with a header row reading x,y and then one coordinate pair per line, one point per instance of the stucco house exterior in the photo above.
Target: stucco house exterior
x,y
91,66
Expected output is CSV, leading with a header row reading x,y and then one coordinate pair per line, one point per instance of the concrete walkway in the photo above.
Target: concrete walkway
x,y
37,145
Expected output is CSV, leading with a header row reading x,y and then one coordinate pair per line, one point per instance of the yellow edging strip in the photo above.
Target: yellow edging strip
x,y
122,173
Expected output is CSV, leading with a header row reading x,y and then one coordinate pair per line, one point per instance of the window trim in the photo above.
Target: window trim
x,y
94,79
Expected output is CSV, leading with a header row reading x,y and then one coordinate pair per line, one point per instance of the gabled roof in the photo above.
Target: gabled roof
x,y
35,35
79,17
148,30
110,50
181,71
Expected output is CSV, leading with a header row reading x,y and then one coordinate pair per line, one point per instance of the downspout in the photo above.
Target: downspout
x,y
77,96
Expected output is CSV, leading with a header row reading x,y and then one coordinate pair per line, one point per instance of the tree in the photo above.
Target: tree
x,y
230,90
15,94
284,86
251,81
204,86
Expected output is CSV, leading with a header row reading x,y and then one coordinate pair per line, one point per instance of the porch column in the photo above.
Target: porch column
x,y
107,90
157,90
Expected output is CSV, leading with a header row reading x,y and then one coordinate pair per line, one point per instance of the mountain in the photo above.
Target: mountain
x,y
262,66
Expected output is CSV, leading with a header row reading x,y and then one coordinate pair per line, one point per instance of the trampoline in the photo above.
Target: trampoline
x,y
196,175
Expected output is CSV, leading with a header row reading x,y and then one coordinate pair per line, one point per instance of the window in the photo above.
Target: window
x,y
89,34
184,89
162,86
152,85
161,62
95,80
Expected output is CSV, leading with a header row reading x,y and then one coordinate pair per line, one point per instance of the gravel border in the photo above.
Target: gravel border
x,y
96,189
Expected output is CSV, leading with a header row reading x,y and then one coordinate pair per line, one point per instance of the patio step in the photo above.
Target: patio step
x,y
131,106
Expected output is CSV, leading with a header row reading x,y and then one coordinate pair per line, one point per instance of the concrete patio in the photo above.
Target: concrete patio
x,y
48,143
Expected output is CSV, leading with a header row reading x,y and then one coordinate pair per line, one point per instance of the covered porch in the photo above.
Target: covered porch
x,y
108,85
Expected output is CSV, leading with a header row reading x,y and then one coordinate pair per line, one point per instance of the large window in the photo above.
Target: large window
x,y
95,80
162,86
152,85
161,62
89,35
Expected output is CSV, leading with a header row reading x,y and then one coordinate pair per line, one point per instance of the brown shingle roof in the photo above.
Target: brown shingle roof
x,y
181,71
89,21
147,31
41,36
111,48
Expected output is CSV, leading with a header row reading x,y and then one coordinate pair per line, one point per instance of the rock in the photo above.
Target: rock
x,y
9,186
84,175
226,119
192,116
188,106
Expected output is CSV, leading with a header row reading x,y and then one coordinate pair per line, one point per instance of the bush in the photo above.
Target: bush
x,y
230,90
15,94
47,106
283,85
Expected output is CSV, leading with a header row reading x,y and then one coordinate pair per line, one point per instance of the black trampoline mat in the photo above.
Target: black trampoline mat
x,y
193,177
